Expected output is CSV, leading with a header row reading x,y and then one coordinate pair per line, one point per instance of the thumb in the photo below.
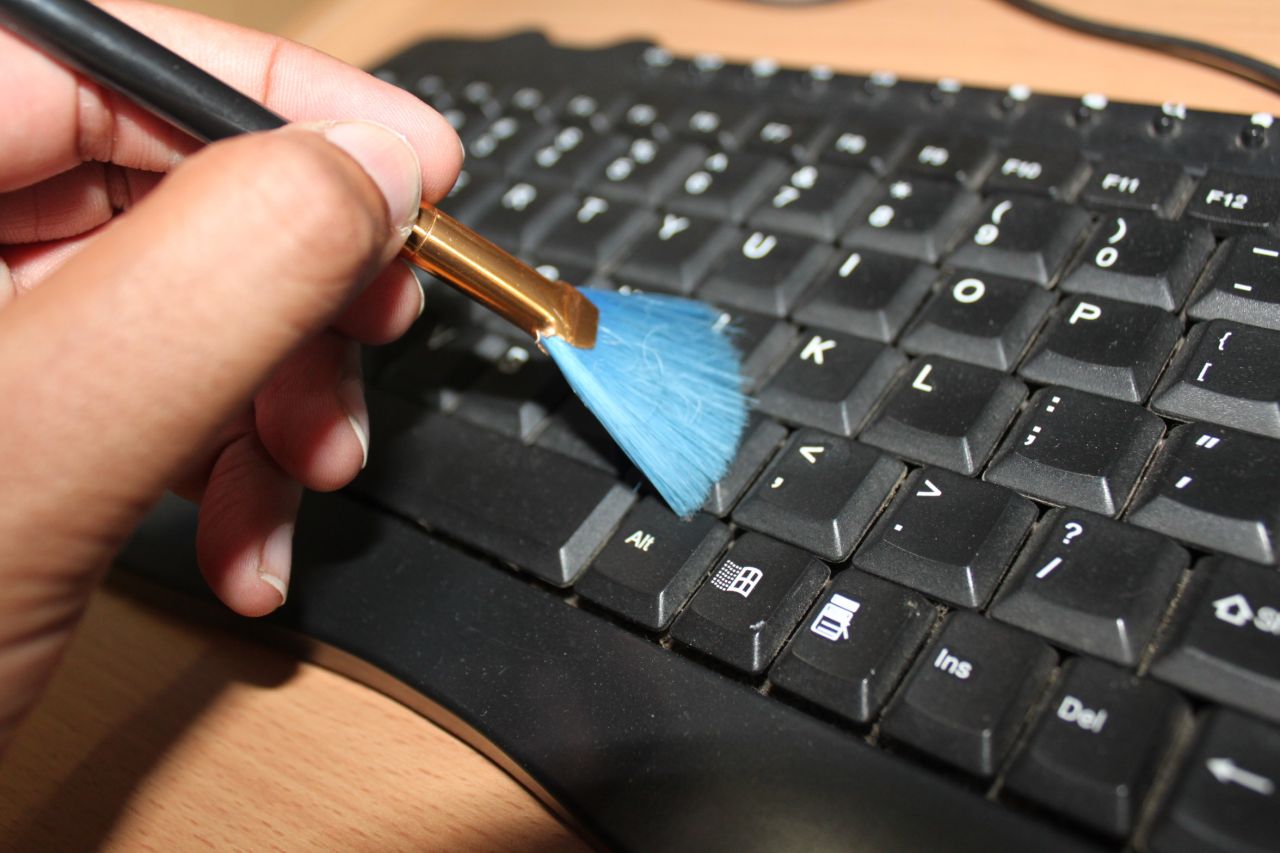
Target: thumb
x,y
130,357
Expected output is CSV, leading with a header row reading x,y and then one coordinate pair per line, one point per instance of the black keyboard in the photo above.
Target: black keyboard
x,y
996,565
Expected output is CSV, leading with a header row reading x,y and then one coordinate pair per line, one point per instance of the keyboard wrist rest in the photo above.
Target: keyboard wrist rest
x,y
637,747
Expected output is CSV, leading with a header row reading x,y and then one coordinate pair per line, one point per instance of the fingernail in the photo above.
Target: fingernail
x,y
389,160
422,291
462,145
277,556
351,396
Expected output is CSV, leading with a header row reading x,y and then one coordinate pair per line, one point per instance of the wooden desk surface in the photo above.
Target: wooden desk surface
x,y
157,734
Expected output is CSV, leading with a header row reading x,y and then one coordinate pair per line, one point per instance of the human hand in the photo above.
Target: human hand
x,y
197,331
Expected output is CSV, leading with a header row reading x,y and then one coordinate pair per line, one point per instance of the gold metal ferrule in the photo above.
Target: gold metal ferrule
x,y
446,248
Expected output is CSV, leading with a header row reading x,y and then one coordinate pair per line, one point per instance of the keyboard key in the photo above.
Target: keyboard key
x,y
509,139
754,599
1224,640
647,171
914,217
650,567
820,493
522,214
862,143
515,395
787,135
570,157
830,381
1040,169
1026,238
1243,284
597,232
1143,185
1142,259
574,432
762,343
726,186
948,536
1075,449
816,201
983,319
953,156
591,107
1094,753
1111,348
767,273
1091,584
969,692
716,123
1225,798
866,293
549,516
677,254
1230,202
473,192
760,439
942,412
1227,373
1214,488
854,645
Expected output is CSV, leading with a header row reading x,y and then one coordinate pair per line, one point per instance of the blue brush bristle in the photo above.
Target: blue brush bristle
x,y
665,381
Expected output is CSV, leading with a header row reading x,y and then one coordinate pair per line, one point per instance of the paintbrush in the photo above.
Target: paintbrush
x,y
658,371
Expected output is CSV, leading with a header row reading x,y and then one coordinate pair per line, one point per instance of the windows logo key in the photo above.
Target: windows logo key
x,y
731,577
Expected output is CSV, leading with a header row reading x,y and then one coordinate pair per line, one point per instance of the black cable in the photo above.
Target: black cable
x,y
1253,70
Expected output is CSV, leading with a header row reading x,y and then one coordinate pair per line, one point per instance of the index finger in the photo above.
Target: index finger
x,y
57,119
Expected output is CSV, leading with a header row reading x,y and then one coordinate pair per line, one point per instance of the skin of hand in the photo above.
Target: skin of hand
x,y
186,318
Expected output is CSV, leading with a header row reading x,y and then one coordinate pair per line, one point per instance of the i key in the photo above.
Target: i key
x,y
868,294
1227,796
830,381
942,412
652,565
820,492
1215,488
1026,238
969,692
1224,640
982,319
854,645
1092,584
948,536
754,598
1228,373
1075,449
1111,348
1095,750
1243,284
914,217
1142,259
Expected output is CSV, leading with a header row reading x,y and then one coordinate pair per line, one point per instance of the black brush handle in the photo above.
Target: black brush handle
x,y
121,58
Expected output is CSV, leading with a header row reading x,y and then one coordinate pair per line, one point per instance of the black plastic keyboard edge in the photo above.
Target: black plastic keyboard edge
x,y
643,749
